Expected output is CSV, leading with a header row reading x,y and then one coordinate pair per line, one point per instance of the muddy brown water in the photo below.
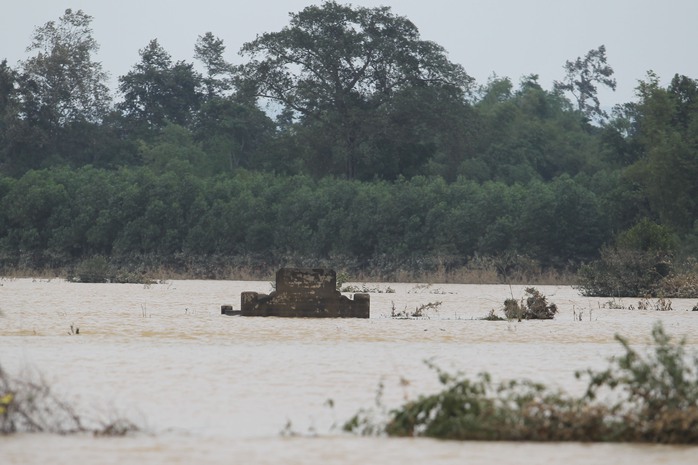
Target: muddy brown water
x,y
215,389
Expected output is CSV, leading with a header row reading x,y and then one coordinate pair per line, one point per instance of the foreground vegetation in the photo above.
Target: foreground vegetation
x,y
28,405
655,399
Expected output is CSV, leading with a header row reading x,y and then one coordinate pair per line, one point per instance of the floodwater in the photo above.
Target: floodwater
x,y
209,388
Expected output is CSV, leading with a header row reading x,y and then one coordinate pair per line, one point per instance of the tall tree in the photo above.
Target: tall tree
x,y
581,80
157,91
8,110
335,63
209,50
66,83
60,98
8,87
667,128
231,132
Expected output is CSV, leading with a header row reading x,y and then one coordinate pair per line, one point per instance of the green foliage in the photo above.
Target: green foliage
x,y
173,149
232,135
67,85
337,67
93,270
665,126
582,77
623,273
529,134
639,264
647,236
157,91
75,214
190,164
53,108
656,401
209,49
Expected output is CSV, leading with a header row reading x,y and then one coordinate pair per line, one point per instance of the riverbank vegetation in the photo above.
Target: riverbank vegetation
x,y
654,399
368,152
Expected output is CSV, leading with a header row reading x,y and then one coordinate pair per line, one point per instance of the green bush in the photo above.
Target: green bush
x,y
656,401
623,273
640,264
93,270
647,236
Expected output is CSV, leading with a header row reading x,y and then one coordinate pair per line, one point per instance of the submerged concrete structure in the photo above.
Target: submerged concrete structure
x,y
304,293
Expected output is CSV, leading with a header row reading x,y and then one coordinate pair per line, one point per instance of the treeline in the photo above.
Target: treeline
x,y
64,214
344,135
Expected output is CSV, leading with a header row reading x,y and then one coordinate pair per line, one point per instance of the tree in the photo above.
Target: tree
x,y
157,91
335,63
8,108
667,124
21,135
581,80
231,132
528,134
8,89
65,82
209,50
58,98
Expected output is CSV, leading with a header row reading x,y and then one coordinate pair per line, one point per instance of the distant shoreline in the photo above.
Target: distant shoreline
x,y
140,273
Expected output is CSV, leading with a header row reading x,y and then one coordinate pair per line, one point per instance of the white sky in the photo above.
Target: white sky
x,y
507,37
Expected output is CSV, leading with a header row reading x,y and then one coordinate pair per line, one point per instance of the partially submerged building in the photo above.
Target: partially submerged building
x,y
307,293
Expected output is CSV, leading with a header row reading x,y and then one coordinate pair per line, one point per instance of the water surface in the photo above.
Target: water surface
x,y
217,389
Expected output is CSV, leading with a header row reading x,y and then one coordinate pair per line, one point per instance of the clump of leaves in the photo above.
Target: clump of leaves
x,y
656,401
534,307
28,405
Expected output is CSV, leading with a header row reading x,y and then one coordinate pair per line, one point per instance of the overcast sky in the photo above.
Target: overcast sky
x,y
507,37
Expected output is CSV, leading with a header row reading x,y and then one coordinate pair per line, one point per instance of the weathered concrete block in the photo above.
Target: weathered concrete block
x,y
310,293
228,310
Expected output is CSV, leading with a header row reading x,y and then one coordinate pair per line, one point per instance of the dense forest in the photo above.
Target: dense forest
x,y
343,139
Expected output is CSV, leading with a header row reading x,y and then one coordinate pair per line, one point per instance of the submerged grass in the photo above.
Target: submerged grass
x,y
656,401
28,405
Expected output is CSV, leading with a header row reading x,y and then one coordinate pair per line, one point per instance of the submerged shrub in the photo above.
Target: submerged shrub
x,y
623,273
534,307
29,406
656,401
679,285
640,263
99,269
632,273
